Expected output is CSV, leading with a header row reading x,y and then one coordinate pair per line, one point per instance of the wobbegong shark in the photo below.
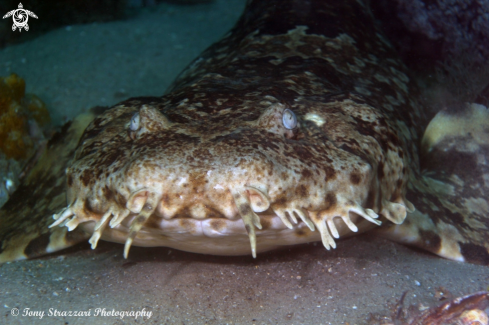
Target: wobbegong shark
x,y
300,125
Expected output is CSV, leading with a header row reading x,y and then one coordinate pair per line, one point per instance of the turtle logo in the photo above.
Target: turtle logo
x,y
20,17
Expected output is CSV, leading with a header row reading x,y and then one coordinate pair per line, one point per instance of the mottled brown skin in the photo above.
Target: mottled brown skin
x,y
451,196
196,151
24,219
216,164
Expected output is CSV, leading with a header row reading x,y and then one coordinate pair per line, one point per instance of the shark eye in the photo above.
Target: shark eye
x,y
289,119
134,122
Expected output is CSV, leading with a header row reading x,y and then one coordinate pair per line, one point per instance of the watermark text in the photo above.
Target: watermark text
x,y
96,312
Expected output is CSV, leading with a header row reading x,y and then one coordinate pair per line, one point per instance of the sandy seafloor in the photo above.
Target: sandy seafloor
x,y
77,67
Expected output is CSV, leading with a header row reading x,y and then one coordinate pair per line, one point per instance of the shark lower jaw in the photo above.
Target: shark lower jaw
x,y
254,221
221,236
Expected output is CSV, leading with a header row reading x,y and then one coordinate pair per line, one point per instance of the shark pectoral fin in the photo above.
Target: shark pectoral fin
x,y
25,218
452,195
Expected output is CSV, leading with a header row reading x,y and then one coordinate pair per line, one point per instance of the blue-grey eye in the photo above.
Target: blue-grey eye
x,y
134,122
289,119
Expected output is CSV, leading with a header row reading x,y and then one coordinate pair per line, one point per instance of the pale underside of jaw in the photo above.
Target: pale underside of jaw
x,y
285,226
199,236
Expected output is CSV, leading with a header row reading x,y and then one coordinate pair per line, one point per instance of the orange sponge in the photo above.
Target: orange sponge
x,y
16,108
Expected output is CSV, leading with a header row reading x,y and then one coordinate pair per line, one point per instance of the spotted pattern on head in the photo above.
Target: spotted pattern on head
x,y
263,123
